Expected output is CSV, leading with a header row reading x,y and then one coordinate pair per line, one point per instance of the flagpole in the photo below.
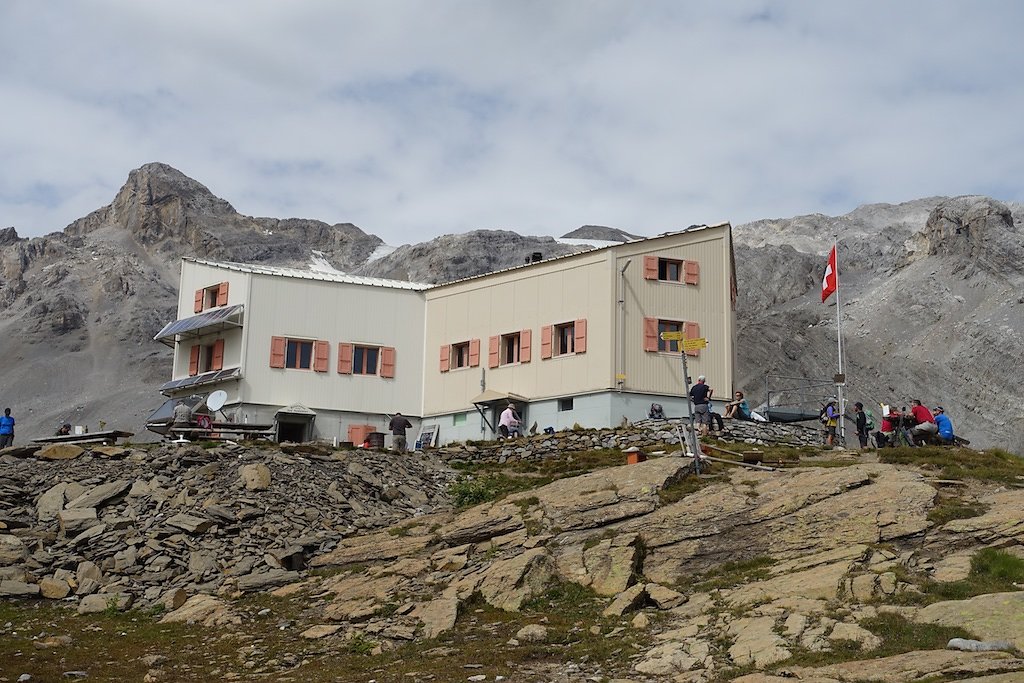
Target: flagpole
x,y
839,336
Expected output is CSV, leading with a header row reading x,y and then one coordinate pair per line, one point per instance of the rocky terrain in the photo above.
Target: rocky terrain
x,y
931,298
314,564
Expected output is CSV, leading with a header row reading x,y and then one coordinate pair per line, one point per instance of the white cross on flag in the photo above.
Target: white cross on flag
x,y
830,282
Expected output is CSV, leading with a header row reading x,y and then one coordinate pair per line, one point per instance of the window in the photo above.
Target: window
x,y
669,269
211,297
565,337
668,326
460,355
299,354
206,358
509,348
564,404
459,419
364,360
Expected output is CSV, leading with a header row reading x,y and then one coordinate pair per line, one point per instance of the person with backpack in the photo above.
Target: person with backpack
x,y
861,419
829,417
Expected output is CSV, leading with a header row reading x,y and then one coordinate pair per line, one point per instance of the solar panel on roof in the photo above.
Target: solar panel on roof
x,y
205,378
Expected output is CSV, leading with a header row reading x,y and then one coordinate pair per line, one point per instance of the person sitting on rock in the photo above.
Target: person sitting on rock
x,y
944,424
64,429
737,408
924,422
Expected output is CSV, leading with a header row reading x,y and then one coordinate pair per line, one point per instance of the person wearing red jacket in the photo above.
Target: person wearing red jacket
x,y
924,421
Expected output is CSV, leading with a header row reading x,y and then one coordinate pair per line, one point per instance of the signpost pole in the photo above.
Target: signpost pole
x,y
677,337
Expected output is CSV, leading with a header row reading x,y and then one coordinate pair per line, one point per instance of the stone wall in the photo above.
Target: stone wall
x,y
643,434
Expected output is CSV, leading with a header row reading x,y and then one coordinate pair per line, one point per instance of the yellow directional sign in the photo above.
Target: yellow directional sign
x,y
695,344
671,336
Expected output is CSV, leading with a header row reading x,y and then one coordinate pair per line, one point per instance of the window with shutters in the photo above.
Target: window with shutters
x,y
670,270
510,348
299,354
460,355
211,297
364,360
565,339
674,326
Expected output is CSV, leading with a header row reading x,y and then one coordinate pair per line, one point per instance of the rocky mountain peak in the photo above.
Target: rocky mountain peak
x,y
978,230
600,232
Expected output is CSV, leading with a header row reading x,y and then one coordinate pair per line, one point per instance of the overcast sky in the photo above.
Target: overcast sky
x,y
415,119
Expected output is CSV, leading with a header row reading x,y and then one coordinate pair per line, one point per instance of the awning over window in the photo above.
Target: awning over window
x,y
204,323
205,378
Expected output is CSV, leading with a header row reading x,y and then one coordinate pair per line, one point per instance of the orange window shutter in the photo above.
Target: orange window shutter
x,y
474,353
545,342
650,267
525,337
321,354
580,328
222,294
344,359
650,334
691,271
387,362
277,349
217,362
492,352
692,331
198,308
193,360
445,354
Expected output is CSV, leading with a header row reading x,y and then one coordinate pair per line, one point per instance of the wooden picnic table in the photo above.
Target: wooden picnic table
x,y
109,436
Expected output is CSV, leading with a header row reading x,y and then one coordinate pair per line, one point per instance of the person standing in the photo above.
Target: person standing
x,y
398,424
861,419
6,429
944,424
508,422
700,395
831,420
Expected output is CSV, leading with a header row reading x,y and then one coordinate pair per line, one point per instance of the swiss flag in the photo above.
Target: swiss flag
x,y
830,282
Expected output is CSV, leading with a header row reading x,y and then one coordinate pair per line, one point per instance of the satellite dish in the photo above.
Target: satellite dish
x,y
216,400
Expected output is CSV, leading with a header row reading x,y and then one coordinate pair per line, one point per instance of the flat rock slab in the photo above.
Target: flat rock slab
x,y
507,584
98,495
380,546
996,616
320,631
915,666
99,602
202,609
271,579
60,451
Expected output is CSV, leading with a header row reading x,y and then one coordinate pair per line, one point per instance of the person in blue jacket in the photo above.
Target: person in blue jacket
x,y
6,429
944,424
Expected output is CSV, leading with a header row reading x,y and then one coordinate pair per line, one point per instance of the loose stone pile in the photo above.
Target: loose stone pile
x,y
641,434
177,521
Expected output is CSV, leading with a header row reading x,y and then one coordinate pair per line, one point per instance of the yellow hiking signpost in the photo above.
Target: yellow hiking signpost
x,y
695,344
688,345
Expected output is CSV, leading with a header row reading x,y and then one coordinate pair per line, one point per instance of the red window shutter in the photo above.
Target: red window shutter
x,y
344,359
650,334
650,267
691,331
545,342
277,349
193,360
492,352
222,294
445,354
321,354
474,353
217,362
580,328
387,362
691,272
198,308
525,337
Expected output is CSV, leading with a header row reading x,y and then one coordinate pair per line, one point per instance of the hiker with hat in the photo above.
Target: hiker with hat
x,y
508,423
944,424
700,396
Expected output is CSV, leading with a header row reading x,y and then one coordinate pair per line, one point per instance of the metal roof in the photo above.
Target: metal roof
x,y
227,316
323,276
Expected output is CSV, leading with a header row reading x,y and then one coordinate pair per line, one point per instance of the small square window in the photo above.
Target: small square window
x,y
299,354
459,419
460,355
564,404
669,326
670,270
509,348
565,339
364,360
